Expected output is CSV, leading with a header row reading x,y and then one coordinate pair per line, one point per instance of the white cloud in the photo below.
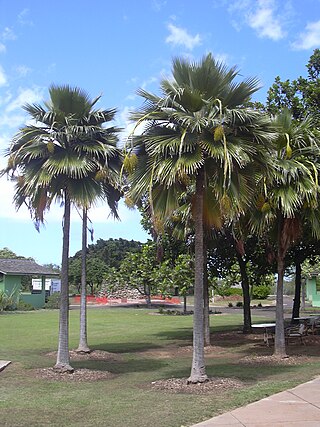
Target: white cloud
x,y
2,48
25,96
4,143
3,78
310,38
98,214
22,70
125,124
101,213
23,18
158,5
263,16
237,5
222,57
12,121
148,82
51,68
5,98
8,34
180,37
264,21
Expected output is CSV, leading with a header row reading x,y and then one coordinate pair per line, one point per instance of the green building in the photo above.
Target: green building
x,y
11,272
313,290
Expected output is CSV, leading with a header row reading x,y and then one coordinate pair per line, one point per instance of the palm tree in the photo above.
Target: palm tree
x,y
289,199
64,157
112,195
197,130
83,338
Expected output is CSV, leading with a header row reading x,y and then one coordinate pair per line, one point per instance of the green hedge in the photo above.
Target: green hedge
x,y
233,291
261,292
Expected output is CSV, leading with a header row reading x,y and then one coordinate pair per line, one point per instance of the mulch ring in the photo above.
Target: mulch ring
x,y
93,355
78,375
180,385
272,360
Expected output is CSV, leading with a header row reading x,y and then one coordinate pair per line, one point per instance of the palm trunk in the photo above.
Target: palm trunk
x,y
198,371
279,341
297,293
246,295
206,308
83,341
63,361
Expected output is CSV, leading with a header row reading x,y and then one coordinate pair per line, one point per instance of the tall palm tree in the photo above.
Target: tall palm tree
x,y
66,156
197,129
289,199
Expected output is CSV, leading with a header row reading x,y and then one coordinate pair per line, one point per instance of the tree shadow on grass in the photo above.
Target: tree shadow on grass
x,y
126,347
178,334
121,366
185,334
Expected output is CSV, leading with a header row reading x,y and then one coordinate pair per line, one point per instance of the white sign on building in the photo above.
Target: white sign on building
x,y
52,285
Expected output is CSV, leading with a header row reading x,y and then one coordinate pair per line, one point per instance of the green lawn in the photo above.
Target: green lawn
x,y
146,348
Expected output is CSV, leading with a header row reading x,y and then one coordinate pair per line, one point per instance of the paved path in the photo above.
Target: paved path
x,y
298,407
4,364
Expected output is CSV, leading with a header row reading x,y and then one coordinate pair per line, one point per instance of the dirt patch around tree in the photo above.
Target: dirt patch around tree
x,y
79,375
272,360
93,355
180,385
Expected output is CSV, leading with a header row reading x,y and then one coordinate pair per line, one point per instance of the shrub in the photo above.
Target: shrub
x,y
239,304
24,306
260,292
235,291
8,302
230,304
53,301
227,291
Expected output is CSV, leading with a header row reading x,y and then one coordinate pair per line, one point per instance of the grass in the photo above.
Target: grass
x,y
147,347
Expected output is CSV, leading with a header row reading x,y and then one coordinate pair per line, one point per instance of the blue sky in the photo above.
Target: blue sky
x,y
114,47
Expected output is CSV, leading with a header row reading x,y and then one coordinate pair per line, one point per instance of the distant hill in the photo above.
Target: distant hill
x,y
111,251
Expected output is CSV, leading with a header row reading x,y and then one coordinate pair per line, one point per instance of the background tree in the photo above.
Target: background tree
x,y
301,96
8,253
136,271
111,251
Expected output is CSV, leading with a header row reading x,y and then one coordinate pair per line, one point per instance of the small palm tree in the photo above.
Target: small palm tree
x,y
112,194
197,130
66,156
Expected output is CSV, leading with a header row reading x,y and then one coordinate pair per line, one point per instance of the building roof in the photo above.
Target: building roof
x,y
24,267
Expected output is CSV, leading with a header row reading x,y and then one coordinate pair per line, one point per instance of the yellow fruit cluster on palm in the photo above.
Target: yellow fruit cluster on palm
x,y
218,133
50,147
130,162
